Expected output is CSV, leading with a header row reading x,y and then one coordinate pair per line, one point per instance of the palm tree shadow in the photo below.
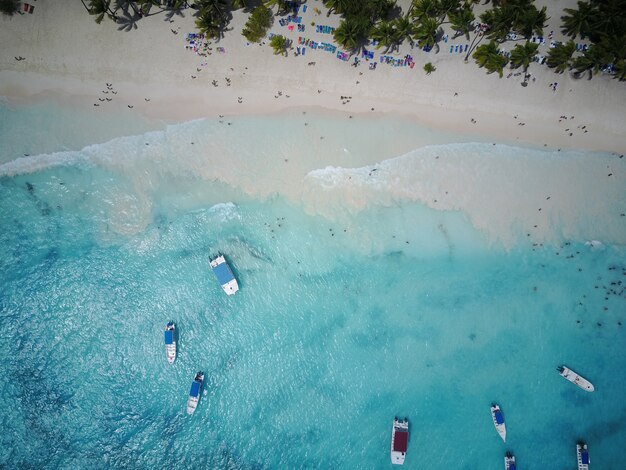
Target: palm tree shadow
x,y
170,14
127,22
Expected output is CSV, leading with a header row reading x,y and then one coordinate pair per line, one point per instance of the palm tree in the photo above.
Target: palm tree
x,y
337,6
429,68
9,7
447,7
522,55
489,57
426,32
593,60
498,22
280,44
620,70
281,4
423,9
386,34
532,21
258,23
560,56
100,9
462,21
577,22
404,29
238,4
209,25
351,33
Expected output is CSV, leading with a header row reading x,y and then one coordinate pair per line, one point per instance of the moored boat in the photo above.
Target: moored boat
x,y
509,461
573,377
399,440
194,393
224,275
498,421
582,454
170,342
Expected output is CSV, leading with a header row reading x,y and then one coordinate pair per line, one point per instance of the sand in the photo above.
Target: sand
x,y
71,58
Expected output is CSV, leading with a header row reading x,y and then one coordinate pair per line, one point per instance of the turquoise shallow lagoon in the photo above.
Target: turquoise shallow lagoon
x,y
340,324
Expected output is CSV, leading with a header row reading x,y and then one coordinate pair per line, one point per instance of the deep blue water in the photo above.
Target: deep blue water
x,y
338,327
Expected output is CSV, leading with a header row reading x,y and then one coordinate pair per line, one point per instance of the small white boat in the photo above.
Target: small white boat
x,y
509,462
573,377
498,421
194,393
583,456
170,342
399,440
224,275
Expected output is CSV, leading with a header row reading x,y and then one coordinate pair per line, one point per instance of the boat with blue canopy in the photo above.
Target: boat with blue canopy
x,y
509,461
224,275
582,454
170,342
194,393
498,420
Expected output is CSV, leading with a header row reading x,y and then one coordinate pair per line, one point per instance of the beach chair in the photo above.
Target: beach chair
x,y
466,46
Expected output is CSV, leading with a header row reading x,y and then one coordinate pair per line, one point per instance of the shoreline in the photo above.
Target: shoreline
x,y
457,98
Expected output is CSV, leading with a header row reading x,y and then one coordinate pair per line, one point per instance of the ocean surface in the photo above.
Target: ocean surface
x,y
355,305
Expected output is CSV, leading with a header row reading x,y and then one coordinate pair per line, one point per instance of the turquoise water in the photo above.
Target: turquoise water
x,y
340,324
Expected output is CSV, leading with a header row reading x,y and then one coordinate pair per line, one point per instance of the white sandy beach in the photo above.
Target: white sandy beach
x,y
70,58
69,55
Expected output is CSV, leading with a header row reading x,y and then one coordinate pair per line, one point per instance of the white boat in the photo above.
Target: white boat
x,y
498,421
170,342
573,377
583,456
399,440
509,462
224,275
194,393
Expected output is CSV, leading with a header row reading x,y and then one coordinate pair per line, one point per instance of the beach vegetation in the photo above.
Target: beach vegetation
x,y
594,59
241,4
519,16
259,21
462,21
387,35
429,68
577,21
560,57
604,24
213,17
279,43
522,55
352,33
404,27
489,57
282,6
100,9
9,7
426,32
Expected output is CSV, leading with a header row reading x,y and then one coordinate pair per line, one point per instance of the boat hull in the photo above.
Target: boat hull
x,y
571,376
224,274
399,440
509,462
582,455
500,427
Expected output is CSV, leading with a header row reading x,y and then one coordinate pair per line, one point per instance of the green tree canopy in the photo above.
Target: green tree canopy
x,y
259,21
522,55
560,56
488,56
